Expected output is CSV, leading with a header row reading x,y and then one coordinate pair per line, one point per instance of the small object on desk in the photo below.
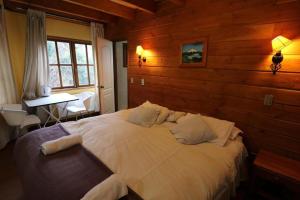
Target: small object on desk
x,y
51,100
276,176
45,91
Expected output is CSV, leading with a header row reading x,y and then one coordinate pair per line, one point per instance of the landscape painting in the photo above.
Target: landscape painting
x,y
193,53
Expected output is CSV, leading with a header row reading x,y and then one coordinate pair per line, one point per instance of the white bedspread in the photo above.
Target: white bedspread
x,y
154,164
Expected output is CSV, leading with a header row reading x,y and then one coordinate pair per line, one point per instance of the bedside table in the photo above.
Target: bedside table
x,y
275,176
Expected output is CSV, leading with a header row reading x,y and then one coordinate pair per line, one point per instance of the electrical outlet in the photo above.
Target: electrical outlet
x,y
142,81
131,80
268,100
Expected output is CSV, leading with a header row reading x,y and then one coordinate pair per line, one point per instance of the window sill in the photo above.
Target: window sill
x,y
72,89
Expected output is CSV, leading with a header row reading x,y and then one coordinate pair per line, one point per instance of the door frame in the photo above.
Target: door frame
x,y
116,73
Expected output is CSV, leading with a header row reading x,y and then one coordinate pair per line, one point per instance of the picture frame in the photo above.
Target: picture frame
x,y
193,53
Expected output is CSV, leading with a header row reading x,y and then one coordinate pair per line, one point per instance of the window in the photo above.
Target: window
x,y
71,63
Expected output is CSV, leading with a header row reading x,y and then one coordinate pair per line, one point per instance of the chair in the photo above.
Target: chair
x,y
77,109
16,117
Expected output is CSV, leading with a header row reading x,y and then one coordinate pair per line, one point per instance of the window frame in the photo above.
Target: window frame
x,y
87,64
73,64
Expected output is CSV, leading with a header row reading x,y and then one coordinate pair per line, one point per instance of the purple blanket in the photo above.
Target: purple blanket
x,y
66,175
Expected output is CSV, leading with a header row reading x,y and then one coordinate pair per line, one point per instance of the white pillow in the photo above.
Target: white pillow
x,y
163,111
193,131
174,116
235,132
186,117
144,116
222,128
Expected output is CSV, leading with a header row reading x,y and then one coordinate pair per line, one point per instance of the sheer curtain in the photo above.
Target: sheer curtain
x,y
36,65
8,93
97,31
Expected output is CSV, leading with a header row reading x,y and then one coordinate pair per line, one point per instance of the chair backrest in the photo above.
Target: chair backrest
x,y
13,114
87,103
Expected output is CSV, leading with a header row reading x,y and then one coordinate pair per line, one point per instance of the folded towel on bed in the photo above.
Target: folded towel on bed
x,y
112,188
60,144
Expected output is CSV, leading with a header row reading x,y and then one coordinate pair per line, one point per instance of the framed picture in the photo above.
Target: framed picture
x,y
193,53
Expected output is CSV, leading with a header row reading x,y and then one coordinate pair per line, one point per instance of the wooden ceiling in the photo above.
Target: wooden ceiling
x,y
104,11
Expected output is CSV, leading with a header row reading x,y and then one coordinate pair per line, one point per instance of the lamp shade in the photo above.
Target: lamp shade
x,y
280,42
139,50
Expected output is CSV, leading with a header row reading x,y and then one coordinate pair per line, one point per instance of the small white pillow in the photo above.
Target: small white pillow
x,y
222,128
235,132
193,131
186,117
174,116
163,111
144,116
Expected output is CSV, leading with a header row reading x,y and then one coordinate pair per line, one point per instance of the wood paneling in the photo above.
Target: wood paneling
x,y
147,6
236,78
105,6
60,8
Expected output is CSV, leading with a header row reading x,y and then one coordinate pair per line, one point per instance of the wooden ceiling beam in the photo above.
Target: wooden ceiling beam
x,y
178,2
105,6
60,8
147,6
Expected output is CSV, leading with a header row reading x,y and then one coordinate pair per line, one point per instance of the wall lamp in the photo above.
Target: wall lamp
x,y
278,44
139,52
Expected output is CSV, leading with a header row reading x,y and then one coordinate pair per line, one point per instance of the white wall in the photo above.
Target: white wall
x,y
122,77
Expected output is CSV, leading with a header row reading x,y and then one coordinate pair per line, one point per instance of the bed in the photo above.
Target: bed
x,y
150,160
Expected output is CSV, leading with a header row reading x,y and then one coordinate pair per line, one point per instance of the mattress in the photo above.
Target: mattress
x,y
154,164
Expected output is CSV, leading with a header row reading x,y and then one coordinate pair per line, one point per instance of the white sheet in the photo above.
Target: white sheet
x,y
111,188
153,164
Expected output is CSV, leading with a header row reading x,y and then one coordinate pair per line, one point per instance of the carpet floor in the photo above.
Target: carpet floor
x,y
10,184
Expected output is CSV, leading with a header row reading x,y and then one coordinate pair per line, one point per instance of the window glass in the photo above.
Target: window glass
x,y
67,76
63,68
64,52
54,76
92,74
90,54
82,75
51,52
80,54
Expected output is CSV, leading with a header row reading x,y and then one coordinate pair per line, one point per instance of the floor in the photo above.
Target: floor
x,y
11,188
10,185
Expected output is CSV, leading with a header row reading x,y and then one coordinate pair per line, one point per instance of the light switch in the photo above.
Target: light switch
x,y
131,80
268,100
142,81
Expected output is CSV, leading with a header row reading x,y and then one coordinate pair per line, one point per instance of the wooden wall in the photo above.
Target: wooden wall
x,y
237,76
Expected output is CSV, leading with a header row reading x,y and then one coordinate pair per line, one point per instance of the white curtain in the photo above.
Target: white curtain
x,y
8,93
36,66
97,31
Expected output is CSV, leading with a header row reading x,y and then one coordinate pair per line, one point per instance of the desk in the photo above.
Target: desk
x,y
51,100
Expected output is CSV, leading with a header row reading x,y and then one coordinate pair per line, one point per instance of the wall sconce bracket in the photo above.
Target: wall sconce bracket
x,y
276,59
